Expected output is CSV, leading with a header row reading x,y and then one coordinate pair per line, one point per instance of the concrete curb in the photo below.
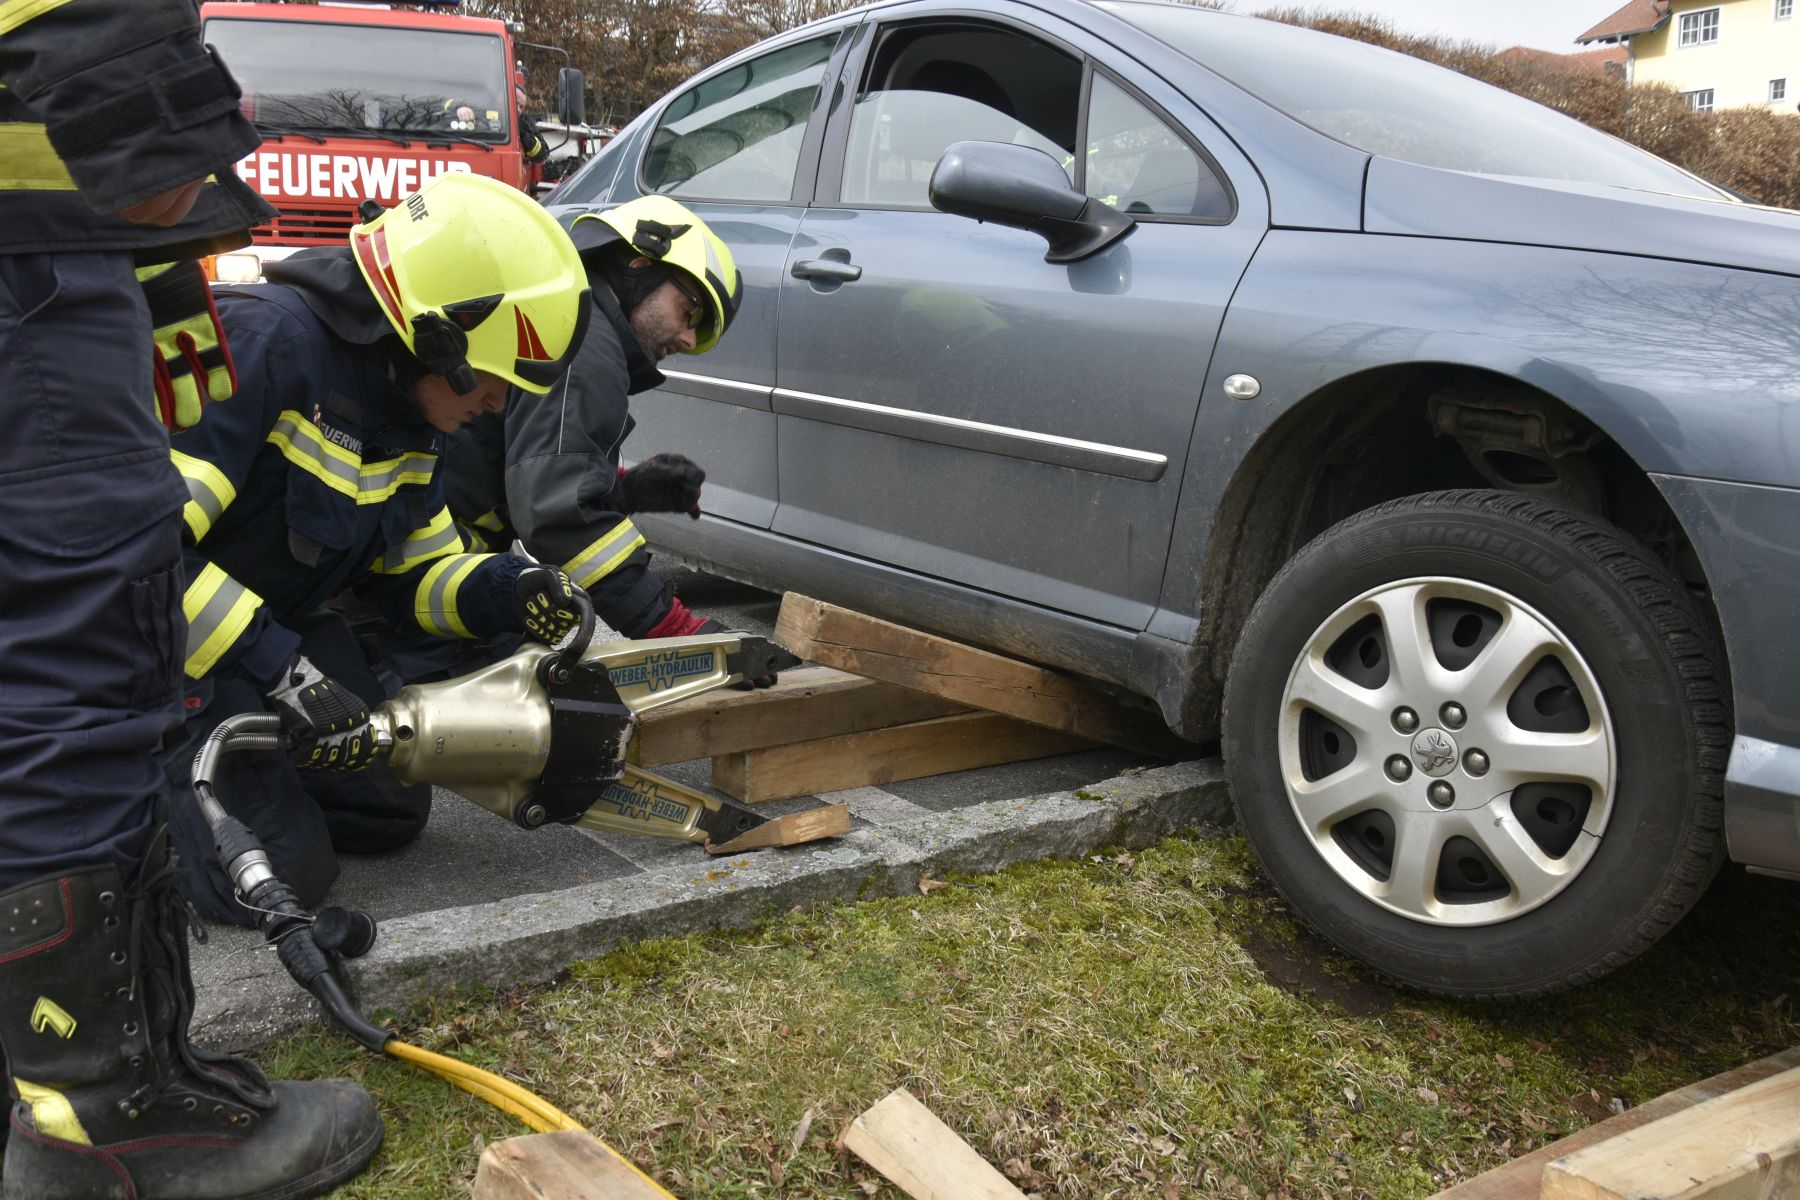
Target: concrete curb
x,y
533,938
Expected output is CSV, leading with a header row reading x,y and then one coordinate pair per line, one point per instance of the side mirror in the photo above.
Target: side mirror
x,y
571,96
1024,188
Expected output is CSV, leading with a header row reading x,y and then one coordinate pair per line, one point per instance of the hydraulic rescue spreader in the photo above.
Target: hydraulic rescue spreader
x,y
540,737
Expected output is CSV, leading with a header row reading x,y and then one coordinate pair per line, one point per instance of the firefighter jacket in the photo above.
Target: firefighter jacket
x,y
319,476
546,472
105,103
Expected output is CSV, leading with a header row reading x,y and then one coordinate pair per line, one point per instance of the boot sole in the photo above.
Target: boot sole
x,y
335,1175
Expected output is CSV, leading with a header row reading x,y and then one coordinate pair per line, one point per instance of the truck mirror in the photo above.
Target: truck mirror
x,y
571,96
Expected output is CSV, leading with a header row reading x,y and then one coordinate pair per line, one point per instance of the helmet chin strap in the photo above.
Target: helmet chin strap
x,y
443,349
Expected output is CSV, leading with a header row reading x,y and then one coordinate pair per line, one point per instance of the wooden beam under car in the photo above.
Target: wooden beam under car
x,y
877,649
876,756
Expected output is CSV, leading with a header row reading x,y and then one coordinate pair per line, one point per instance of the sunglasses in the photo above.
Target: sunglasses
x,y
696,305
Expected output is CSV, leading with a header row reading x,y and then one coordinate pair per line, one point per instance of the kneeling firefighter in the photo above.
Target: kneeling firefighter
x,y
546,471
322,474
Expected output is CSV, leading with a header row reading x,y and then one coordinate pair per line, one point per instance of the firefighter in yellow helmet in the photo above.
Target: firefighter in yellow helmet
x,y
321,476
547,471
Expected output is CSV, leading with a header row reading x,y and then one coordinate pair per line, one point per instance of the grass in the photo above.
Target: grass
x,y
1150,1024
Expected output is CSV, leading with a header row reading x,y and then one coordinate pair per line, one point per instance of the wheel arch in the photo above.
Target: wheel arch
x,y
1397,430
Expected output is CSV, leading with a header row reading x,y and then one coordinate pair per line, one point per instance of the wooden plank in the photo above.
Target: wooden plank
x,y
877,649
808,703
1521,1178
567,1165
921,1155
833,820
878,756
1741,1146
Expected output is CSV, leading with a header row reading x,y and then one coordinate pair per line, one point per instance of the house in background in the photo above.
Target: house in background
x,y
1604,60
1717,53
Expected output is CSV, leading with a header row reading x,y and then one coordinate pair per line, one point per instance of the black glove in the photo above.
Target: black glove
x,y
744,685
328,722
661,483
547,604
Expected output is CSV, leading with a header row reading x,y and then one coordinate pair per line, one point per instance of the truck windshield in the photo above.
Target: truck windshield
x,y
1396,106
331,78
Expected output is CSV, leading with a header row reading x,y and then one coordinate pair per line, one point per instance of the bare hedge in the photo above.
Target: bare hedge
x,y
1752,150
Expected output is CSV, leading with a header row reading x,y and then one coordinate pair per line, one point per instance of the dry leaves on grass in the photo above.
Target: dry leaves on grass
x,y
1024,1174
806,1123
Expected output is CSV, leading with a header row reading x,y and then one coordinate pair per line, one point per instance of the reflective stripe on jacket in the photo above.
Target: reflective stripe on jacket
x,y
315,478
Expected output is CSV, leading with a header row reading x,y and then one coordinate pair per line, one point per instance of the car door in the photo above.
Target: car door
x,y
738,146
949,402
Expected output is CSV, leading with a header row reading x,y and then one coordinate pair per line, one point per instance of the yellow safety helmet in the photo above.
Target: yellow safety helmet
x,y
474,275
666,231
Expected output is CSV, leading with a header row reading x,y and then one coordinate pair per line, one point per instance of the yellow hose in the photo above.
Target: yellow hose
x,y
504,1094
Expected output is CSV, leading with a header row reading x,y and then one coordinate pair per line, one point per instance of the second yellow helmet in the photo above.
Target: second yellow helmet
x,y
666,231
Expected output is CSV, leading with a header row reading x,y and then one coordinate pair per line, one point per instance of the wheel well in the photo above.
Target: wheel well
x,y
1398,431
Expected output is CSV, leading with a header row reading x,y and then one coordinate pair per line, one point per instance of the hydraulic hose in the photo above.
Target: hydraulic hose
x,y
287,924
503,1094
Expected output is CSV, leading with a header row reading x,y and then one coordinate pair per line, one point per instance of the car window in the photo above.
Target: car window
x,y
1391,104
1137,164
926,88
737,135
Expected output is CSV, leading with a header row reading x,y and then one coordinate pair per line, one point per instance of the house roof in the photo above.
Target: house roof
x,y
1601,59
1637,16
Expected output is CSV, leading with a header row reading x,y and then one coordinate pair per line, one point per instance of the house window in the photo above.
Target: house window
x,y
1784,9
1700,101
1699,28
1777,90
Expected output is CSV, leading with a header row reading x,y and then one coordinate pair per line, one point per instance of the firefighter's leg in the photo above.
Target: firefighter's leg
x,y
95,995
80,707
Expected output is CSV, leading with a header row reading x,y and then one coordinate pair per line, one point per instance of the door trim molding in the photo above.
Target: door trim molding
x,y
1119,461
725,391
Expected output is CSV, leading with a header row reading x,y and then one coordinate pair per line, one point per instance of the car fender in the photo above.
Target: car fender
x,y
1688,368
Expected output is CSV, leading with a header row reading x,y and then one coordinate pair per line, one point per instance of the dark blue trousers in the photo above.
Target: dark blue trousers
x,y
91,630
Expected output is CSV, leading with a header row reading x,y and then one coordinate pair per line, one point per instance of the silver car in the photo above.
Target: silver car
x,y
1434,453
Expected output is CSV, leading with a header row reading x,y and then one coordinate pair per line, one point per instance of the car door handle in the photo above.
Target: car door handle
x,y
826,269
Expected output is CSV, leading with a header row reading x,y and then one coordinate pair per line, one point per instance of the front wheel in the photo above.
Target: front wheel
x,y
1477,741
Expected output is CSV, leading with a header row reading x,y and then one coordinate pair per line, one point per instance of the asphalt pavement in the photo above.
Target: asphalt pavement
x,y
476,900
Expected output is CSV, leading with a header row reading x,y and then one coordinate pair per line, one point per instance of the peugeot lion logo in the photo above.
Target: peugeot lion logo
x,y
1434,752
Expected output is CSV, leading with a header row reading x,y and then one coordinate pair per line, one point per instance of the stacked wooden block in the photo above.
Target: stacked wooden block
x,y
890,704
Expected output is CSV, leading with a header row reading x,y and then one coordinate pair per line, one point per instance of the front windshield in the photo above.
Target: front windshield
x,y
1397,106
315,75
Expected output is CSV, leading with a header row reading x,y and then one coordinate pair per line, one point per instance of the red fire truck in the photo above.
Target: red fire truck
x,y
367,102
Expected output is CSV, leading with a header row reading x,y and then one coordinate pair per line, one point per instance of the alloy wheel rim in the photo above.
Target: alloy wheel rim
x,y
1447,751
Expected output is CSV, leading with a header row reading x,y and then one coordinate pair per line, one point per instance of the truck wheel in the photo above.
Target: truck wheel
x,y
1478,742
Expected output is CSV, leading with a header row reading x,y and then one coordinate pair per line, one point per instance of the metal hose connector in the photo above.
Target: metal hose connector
x,y
244,731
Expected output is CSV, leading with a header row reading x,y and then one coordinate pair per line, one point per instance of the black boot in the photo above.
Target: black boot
x,y
114,1102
